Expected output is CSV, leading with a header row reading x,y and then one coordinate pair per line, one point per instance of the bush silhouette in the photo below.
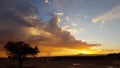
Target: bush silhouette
x,y
20,50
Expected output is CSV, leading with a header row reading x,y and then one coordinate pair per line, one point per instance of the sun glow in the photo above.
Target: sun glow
x,y
85,52
66,51
88,51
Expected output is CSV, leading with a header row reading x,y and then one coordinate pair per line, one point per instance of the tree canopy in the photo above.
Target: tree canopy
x,y
20,50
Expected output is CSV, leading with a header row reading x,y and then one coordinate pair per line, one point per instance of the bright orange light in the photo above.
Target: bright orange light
x,y
66,51
85,52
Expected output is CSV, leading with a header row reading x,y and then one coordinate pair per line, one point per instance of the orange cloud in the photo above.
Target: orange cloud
x,y
23,25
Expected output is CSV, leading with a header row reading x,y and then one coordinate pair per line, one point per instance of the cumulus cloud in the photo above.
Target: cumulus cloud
x,y
67,18
108,16
11,19
100,26
59,13
15,15
18,22
47,1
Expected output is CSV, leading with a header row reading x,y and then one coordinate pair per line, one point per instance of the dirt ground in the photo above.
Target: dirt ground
x,y
36,63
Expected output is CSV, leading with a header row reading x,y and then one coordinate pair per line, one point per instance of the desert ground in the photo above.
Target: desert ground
x,y
38,63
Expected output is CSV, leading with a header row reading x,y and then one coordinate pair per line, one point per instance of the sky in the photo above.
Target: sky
x,y
62,27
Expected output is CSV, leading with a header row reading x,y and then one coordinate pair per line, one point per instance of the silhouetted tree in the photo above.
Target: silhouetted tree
x,y
20,50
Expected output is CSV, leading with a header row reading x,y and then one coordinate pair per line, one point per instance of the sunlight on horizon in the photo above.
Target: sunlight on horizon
x,y
62,27
85,52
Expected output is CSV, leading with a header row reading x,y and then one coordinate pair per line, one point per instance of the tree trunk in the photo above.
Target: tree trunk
x,y
20,62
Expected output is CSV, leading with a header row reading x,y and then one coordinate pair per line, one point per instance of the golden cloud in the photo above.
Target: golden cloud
x,y
23,25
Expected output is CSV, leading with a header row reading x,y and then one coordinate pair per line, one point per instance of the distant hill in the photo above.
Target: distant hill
x,y
85,57
90,55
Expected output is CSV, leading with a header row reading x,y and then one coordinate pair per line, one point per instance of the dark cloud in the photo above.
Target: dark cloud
x,y
12,18
18,22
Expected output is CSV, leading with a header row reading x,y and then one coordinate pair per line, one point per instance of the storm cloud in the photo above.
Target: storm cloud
x,y
18,21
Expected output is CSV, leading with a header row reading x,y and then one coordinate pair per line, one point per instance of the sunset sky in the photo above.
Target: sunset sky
x,y
62,27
